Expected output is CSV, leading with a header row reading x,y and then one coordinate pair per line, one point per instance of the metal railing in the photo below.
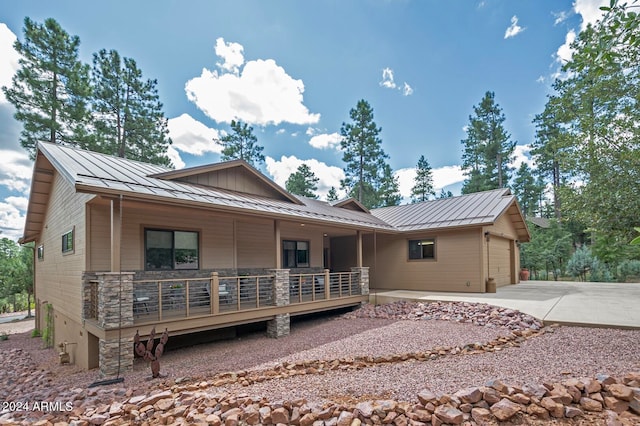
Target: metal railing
x,y
323,286
156,300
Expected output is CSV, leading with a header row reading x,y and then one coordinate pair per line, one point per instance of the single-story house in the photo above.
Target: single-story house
x,y
123,246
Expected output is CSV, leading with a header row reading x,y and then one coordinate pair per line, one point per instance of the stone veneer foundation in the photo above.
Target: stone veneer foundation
x,y
280,325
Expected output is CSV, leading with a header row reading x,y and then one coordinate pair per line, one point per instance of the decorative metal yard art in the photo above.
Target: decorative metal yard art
x,y
147,352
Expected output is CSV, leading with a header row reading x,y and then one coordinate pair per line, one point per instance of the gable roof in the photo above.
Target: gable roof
x,y
477,209
186,175
100,174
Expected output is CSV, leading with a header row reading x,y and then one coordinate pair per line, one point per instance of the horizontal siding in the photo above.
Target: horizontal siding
x,y
58,275
255,244
458,263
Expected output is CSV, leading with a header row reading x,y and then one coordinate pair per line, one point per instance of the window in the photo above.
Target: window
x,y
422,249
171,250
40,252
67,242
295,254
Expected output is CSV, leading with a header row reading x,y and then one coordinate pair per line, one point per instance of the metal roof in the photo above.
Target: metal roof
x,y
101,174
477,209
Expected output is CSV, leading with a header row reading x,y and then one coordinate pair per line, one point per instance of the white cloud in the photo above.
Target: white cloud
x,y
442,177
175,158
389,83
261,93
514,29
8,58
329,176
589,11
12,217
387,79
232,53
193,137
565,52
540,79
521,155
561,17
407,90
326,141
15,170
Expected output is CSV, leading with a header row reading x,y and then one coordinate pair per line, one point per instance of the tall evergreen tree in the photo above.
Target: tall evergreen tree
x,y
527,190
51,88
241,144
423,186
389,190
128,117
363,155
303,182
332,195
488,148
445,194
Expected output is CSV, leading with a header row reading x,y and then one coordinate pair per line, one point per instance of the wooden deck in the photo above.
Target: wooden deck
x,y
194,304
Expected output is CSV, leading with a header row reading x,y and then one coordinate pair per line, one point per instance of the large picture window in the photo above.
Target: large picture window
x,y
171,250
295,254
422,249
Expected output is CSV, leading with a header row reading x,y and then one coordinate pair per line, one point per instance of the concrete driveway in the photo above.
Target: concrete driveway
x,y
571,303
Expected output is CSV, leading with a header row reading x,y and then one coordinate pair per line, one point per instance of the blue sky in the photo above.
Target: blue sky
x,y
294,69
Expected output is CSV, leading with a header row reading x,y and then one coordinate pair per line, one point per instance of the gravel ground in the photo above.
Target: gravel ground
x,y
568,352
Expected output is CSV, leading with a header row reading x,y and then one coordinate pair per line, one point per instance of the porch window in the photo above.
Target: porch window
x,y
295,254
422,249
171,249
40,252
67,242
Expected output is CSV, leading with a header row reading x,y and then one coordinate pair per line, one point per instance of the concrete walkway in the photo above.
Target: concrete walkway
x,y
569,303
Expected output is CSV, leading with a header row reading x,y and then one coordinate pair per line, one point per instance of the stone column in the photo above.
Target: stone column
x,y
280,326
363,278
115,309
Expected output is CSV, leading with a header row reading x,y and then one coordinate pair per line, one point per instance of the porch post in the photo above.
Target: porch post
x,y
280,325
363,278
276,231
116,232
359,248
115,310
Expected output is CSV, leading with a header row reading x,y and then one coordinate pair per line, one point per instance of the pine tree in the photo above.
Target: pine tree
x,y
332,195
527,190
50,90
445,194
423,187
389,191
363,155
303,182
129,121
487,148
241,144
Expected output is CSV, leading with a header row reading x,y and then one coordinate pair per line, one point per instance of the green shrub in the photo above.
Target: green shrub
x,y
4,336
628,269
36,333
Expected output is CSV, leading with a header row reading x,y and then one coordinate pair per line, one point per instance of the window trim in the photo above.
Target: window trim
x,y
65,239
423,259
308,264
173,253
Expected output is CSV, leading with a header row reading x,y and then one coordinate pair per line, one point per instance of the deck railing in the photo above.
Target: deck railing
x,y
322,286
163,299
174,298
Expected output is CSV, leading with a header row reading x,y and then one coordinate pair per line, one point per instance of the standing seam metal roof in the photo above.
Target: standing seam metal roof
x,y
97,173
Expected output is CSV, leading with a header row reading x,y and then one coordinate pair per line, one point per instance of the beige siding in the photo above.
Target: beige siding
x,y
98,238
235,179
58,275
256,244
457,266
